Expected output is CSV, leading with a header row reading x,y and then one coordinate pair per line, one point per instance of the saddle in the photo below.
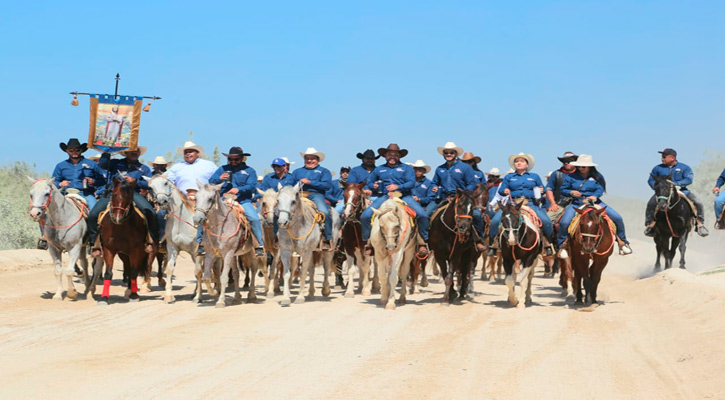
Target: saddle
x,y
577,218
79,202
135,209
687,199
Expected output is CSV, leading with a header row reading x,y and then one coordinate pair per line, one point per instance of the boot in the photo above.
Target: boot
x,y
42,244
200,250
326,245
700,228
423,250
259,251
548,248
650,229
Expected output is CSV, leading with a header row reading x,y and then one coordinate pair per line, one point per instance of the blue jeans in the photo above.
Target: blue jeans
x,y
339,206
569,213
319,200
431,207
546,225
253,219
421,217
719,201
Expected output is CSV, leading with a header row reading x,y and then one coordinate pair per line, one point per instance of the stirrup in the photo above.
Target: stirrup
x,y
369,250
423,252
42,244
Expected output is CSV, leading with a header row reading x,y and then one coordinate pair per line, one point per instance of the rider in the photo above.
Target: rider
x,y
557,202
719,200
423,190
524,183
455,174
362,172
280,176
682,176
240,179
493,181
159,165
473,162
335,194
586,183
185,174
316,180
132,171
394,176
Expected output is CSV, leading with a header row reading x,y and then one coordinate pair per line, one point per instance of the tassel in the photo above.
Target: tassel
x,y
148,107
74,102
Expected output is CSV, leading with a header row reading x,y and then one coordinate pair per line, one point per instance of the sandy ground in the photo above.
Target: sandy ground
x,y
655,337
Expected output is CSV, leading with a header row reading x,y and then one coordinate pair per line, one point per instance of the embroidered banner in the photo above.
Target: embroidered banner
x,y
114,122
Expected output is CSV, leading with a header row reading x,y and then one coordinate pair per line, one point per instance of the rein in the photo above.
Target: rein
x,y
669,206
597,238
319,218
44,208
239,223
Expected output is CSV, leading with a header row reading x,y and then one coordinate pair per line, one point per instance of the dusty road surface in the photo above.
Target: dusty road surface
x,y
654,337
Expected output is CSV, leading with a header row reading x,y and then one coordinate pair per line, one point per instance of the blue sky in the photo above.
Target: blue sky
x,y
617,79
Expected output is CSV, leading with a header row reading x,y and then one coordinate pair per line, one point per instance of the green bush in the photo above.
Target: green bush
x,y
17,229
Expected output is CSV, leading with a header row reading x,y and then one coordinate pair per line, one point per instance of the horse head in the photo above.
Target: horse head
x,y
40,197
590,230
389,224
665,190
206,197
354,200
511,222
269,204
287,199
161,189
121,200
463,205
481,196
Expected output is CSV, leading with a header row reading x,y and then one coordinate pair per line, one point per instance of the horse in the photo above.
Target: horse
x,y
123,232
64,228
520,244
180,230
299,232
267,206
452,242
591,242
352,242
393,237
480,202
226,235
673,217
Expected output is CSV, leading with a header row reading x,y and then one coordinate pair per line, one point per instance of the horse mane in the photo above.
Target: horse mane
x,y
185,200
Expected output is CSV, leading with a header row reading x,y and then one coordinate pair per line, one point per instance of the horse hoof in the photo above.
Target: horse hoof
x,y
251,300
570,298
285,302
162,284
390,305
102,303
133,298
237,300
326,292
220,304
424,284
72,294
169,299
349,295
366,292
58,297
513,302
144,289
521,306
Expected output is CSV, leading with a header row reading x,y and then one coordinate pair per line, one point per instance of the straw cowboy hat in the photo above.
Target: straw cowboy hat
x,y
94,157
568,157
393,147
494,171
369,153
469,156
236,151
288,161
311,151
160,160
189,145
510,171
528,157
73,142
584,160
141,150
420,164
450,146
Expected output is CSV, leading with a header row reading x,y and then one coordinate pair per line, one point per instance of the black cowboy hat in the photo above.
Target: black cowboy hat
x,y
369,153
394,147
236,151
568,157
73,142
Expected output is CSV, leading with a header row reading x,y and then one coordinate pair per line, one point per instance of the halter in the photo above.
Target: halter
x,y
597,238
45,206
669,206
353,216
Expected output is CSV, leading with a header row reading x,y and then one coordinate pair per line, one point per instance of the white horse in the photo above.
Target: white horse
x,y
267,207
393,236
225,237
180,229
64,228
299,232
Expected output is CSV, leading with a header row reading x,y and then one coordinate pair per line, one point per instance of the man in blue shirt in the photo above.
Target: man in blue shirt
x,y
280,176
362,172
719,200
130,169
239,179
682,176
557,203
394,176
423,190
335,194
316,180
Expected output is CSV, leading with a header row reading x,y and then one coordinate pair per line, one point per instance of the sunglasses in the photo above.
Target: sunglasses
x,y
190,151
392,154
234,159
73,149
468,161
448,153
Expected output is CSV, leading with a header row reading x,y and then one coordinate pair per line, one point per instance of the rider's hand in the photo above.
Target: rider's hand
x,y
368,193
233,191
126,178
506,192
554,208
435,189
416,198
375,186
716,190
576,193
224,176
64,183
592,199
392,187
305,181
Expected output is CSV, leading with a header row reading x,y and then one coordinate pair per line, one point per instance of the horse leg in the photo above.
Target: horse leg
x,y
683,248
73,255
199,267
530,280
596,276
305,260
484,262
97,264
659,248
393,276
524,276
146,285
351,269
376,276
208,265
236,273
141,260
382,268
254,266
287,275
107,276
423,274
171,253
57,257
84,266
404,266
328,264
227,261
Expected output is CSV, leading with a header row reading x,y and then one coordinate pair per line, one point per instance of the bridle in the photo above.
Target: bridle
x,y
125,211
672,193
45,205
357,208
597,237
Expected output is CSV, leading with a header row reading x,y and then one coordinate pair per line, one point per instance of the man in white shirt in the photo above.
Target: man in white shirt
x,y
186,173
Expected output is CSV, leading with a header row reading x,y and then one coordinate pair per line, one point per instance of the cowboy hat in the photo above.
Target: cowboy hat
x,y
160,160
450,146
369,153
420,164
494,171
528,157
584,160
189,145
236,151
286,160
73,142
568,157
311,151
469,156
345,168
94,157
141,150
392,147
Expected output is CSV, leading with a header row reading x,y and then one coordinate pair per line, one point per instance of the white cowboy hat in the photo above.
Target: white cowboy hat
x,y
288,161
312,151
528,157
584,160
141,150
450,146
94,157
189,145
420,164
494,171
159,160
548,174
510,171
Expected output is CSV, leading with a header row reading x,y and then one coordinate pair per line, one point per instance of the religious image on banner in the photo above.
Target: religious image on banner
x,y
114,122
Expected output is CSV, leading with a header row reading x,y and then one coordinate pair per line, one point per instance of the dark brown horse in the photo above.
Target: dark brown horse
x,y
352,243
123,232
520,243
480,202
452,241
591,243
673,217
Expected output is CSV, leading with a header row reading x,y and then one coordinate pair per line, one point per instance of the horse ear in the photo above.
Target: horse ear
x,y
458,191
601,210
376,212
199,184
669,177
279,186
30,179
260,191
363,183
519,205
578,210
217,187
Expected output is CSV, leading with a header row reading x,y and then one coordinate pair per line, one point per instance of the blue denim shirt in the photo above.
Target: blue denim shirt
x,y
319,177
400,174
721,179
459,176
135,170
424,190
335,193
271,181
587,187
75,173
244,179
520,185
682,175
359,175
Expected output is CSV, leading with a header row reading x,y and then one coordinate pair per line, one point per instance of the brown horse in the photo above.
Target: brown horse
x,y
591,243
352,243
123,232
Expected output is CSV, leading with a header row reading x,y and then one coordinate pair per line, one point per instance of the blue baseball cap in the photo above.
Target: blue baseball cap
x,y
279,161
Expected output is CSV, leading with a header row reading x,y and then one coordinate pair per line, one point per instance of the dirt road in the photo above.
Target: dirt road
x,y
658,337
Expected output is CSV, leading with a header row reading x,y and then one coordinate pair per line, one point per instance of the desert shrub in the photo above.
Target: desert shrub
x,y
17,229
